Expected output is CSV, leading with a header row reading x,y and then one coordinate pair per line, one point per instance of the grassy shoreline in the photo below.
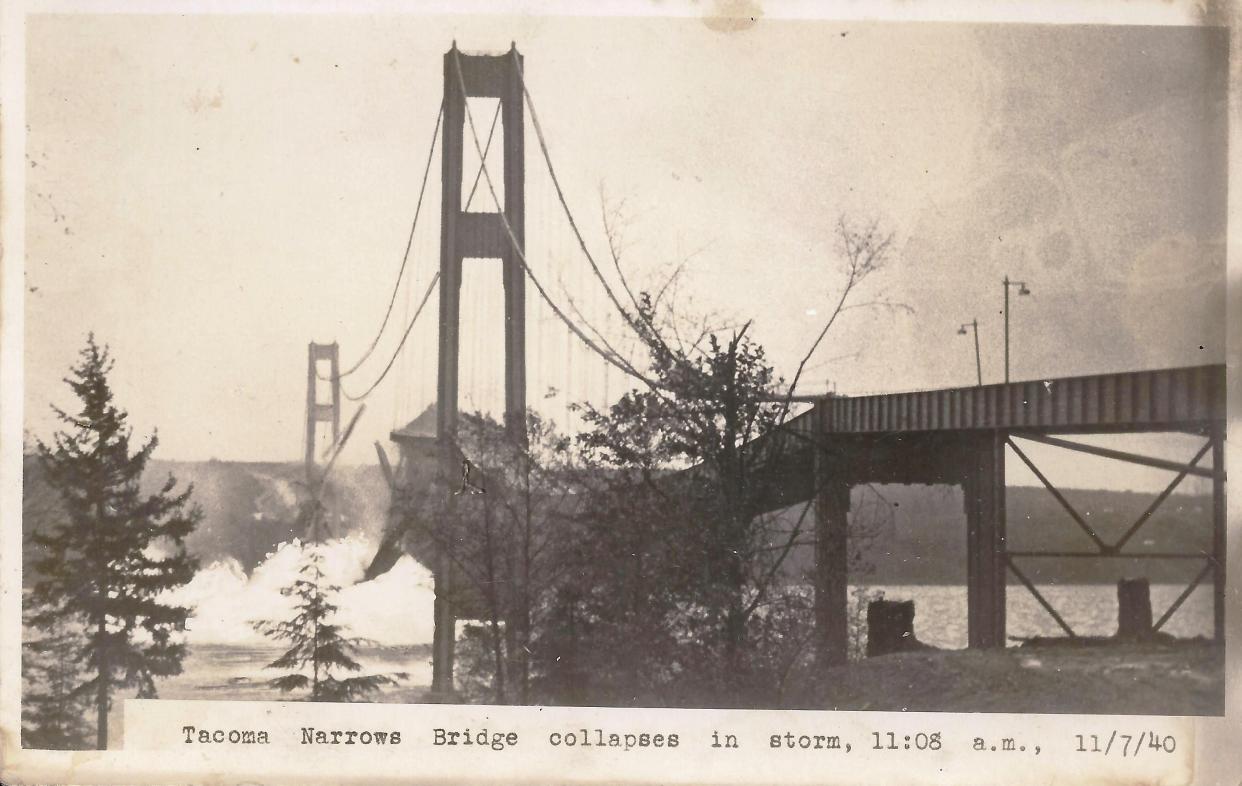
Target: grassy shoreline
x,y
1186,677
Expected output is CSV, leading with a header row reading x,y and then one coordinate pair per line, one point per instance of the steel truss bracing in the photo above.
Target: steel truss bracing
x,y
961,436
1214,561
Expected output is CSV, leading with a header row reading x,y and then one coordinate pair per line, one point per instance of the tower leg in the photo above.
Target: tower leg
x,y
334,359
514,275
311,410
444,638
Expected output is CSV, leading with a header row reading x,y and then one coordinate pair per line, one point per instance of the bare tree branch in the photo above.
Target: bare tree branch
x,y
864,251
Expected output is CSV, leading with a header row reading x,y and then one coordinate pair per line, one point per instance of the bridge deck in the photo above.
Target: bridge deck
x,y
1161,400
960,436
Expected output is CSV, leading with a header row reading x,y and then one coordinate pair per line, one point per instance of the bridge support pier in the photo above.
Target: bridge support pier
x,y
986,562
1219,527
832,506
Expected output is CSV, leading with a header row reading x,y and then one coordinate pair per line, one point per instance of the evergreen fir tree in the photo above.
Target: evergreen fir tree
x,y
316,643
53,704
107,562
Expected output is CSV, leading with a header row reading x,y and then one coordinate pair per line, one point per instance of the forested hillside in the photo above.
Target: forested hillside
x,y
919,531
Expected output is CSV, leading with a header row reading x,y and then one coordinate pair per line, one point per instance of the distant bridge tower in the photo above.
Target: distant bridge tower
x,y
479,236
321,412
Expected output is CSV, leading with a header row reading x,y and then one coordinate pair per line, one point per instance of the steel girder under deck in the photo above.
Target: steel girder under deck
x,y
960,436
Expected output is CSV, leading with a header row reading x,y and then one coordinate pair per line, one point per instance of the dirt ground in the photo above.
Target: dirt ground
x,y
1182,678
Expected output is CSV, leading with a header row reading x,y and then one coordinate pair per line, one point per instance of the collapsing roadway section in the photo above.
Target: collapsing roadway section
x,y
959,436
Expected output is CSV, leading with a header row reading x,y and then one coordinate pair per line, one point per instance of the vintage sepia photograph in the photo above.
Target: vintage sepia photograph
x,y
711,361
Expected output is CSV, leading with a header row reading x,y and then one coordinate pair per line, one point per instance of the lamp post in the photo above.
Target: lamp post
x,y
1022,290
961,331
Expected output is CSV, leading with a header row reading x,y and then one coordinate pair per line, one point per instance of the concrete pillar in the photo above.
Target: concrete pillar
x,y
890,627
832,505
1133,608
984,485
1219,526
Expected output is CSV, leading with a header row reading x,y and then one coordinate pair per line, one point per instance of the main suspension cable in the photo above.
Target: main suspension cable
x,y
409,243
521,255
560,195
410,327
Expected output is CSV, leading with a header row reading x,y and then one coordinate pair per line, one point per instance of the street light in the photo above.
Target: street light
x,y
974,323
1022,290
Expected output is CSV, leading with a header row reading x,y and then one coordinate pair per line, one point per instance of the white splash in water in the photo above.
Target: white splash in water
x,y
394,609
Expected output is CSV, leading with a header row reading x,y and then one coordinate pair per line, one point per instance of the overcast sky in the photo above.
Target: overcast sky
x,y
208,194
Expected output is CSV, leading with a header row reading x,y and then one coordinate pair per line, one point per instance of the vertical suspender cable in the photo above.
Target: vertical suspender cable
x,y
521,254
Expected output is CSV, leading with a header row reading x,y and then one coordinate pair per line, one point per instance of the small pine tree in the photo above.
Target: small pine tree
x,y
115,552
53,705
316,642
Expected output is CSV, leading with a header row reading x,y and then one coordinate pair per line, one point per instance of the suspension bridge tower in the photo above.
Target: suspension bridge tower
x,y
483,238
327,412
